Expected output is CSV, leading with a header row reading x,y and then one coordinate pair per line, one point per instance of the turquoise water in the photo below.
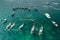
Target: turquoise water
x,y
50,32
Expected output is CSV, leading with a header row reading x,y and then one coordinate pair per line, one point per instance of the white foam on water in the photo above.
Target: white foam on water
x,y
56,3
